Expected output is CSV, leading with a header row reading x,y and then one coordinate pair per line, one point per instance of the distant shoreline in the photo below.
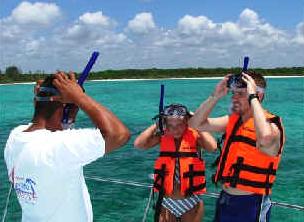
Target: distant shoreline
x,y
156,79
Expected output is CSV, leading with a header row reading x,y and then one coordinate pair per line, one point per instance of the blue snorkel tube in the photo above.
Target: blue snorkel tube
x,y
245,64
85,73
161,109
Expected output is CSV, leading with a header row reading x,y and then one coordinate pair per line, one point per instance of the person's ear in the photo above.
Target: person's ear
x,y
261,96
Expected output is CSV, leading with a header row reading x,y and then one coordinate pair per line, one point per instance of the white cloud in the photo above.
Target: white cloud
x,y
92,28
95,18
195,25
300,33
34,46
142,23
35,13
194,41
198,41
9,32
249,18
231,30
22,33
300,29
28,19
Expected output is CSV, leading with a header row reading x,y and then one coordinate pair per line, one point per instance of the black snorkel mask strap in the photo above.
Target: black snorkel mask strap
x,y
159,118
161,109
49,91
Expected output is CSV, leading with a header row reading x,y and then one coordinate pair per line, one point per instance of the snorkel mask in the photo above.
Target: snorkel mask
x,y
176,110
45,94
236,81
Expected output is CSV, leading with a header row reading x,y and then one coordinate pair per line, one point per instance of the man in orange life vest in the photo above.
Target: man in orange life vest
x,y
252,148
179,172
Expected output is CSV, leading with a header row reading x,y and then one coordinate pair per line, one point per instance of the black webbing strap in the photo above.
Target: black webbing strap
x,y
193,189
226,150
178,154
254,169
191,174
236,171
160,176
246,182
219,143
240,166
267,183
244,139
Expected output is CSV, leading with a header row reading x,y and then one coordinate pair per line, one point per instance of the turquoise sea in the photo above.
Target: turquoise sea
x,y
136,102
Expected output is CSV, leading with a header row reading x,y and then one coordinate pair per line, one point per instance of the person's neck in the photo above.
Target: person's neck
x,y
246,116
40,123
177,142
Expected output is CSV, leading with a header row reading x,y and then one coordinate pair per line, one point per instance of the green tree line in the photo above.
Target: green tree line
x,y
14,74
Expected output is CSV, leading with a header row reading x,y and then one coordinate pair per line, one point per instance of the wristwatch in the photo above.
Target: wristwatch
x,y
252,96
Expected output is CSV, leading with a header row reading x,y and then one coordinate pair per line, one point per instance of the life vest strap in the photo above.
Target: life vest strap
x,y
193,189
243,139
191,174
240,166
254,169
224,154
235,179
159,177
245,182
178,154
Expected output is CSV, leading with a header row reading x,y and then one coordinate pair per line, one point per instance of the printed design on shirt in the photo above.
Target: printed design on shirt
x,y
25,189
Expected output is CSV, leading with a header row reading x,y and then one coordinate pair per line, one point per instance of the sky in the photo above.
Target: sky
x,y
61,35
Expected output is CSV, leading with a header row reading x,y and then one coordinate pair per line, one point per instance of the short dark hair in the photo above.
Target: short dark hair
x,y
258,79
46,109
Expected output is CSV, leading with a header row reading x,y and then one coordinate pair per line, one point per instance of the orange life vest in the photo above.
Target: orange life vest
x,y
242,165
192,168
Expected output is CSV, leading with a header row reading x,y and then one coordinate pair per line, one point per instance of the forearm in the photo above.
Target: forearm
x,y
148,138
94,111
262,126
113,130
201,114
207,141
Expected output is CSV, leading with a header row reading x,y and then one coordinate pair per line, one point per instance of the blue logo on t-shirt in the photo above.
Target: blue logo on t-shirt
x,y
25,189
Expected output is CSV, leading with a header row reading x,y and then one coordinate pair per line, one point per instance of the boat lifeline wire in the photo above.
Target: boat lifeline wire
x,y
147,185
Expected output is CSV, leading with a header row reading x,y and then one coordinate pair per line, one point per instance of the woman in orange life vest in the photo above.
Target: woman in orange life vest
x,y
179,172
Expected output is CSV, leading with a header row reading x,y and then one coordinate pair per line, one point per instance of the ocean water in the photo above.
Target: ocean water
x,y
135,103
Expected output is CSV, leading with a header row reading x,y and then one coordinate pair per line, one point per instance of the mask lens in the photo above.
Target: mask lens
x,y
236,81
175,110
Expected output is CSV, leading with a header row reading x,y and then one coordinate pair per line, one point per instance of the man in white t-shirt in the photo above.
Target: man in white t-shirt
x,y
45,163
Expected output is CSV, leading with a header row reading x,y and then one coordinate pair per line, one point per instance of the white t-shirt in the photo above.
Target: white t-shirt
x,y
46,169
